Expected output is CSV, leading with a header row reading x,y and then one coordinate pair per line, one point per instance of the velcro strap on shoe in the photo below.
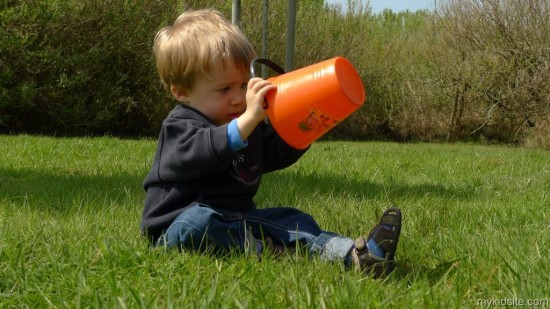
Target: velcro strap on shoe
x,y
390,220
384,238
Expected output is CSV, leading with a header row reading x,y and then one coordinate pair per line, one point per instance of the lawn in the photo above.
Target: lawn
x,y
476,229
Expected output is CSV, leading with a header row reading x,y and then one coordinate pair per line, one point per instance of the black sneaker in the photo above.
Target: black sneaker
x,y
386,236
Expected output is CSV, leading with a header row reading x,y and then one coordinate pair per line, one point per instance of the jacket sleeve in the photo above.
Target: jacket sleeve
x,y
189,149
277,153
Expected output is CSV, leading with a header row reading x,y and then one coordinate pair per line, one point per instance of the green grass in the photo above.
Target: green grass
x,y
476,227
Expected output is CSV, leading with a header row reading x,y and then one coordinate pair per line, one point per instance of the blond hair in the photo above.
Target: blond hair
x,y
196,42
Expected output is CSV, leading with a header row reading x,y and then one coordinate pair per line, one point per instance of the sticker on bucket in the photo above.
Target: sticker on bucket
x,y
316,121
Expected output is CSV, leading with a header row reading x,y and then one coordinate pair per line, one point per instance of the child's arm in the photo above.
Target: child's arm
x,y
255,113
277,153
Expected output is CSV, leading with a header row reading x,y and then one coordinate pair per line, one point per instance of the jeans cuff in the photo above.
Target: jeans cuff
x,y
333,247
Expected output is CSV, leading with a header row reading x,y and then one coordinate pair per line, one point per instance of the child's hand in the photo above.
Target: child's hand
x,y
255,93
255,113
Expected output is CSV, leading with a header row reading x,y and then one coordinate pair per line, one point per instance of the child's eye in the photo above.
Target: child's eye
x,y
224,90
244,86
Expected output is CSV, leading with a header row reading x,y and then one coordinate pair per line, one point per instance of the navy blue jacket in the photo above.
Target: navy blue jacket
x,y
194,163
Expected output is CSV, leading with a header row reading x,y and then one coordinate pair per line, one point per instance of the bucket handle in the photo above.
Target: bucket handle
x,y
272,65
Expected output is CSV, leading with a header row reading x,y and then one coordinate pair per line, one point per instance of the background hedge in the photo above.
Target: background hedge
x,y
471,70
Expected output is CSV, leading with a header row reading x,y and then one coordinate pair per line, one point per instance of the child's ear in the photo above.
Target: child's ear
x,y
179,93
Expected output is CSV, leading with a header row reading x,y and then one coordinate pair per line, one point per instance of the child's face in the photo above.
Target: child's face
x,y
220,95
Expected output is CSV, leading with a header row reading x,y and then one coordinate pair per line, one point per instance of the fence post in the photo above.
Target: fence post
x,y
290,35
265,13
236,13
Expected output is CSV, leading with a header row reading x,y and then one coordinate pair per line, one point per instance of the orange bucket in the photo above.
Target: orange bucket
x,y
310,101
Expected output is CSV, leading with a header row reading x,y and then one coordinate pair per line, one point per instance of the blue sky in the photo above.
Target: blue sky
x,y
395,5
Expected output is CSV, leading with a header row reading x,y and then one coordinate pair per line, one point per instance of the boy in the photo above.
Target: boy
x,y
213,149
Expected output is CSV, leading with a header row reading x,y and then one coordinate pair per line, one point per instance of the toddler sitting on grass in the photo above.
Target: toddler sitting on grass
x,y
214,147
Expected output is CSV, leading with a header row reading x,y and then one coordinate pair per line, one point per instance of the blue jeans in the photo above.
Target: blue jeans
x,y
199,227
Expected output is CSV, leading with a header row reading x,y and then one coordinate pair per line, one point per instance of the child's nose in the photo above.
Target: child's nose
x,y
239,98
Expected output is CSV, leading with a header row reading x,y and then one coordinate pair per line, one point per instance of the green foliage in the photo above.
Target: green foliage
x,y
498,83
469,71
71,67
476,227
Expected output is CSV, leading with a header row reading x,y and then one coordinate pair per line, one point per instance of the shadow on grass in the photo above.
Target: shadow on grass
x,y
44,190
416,270
322,184
58,191
66,193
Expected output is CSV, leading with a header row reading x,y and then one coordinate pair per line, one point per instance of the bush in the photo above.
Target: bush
x,y
472,70
76,68
73,68
493,68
